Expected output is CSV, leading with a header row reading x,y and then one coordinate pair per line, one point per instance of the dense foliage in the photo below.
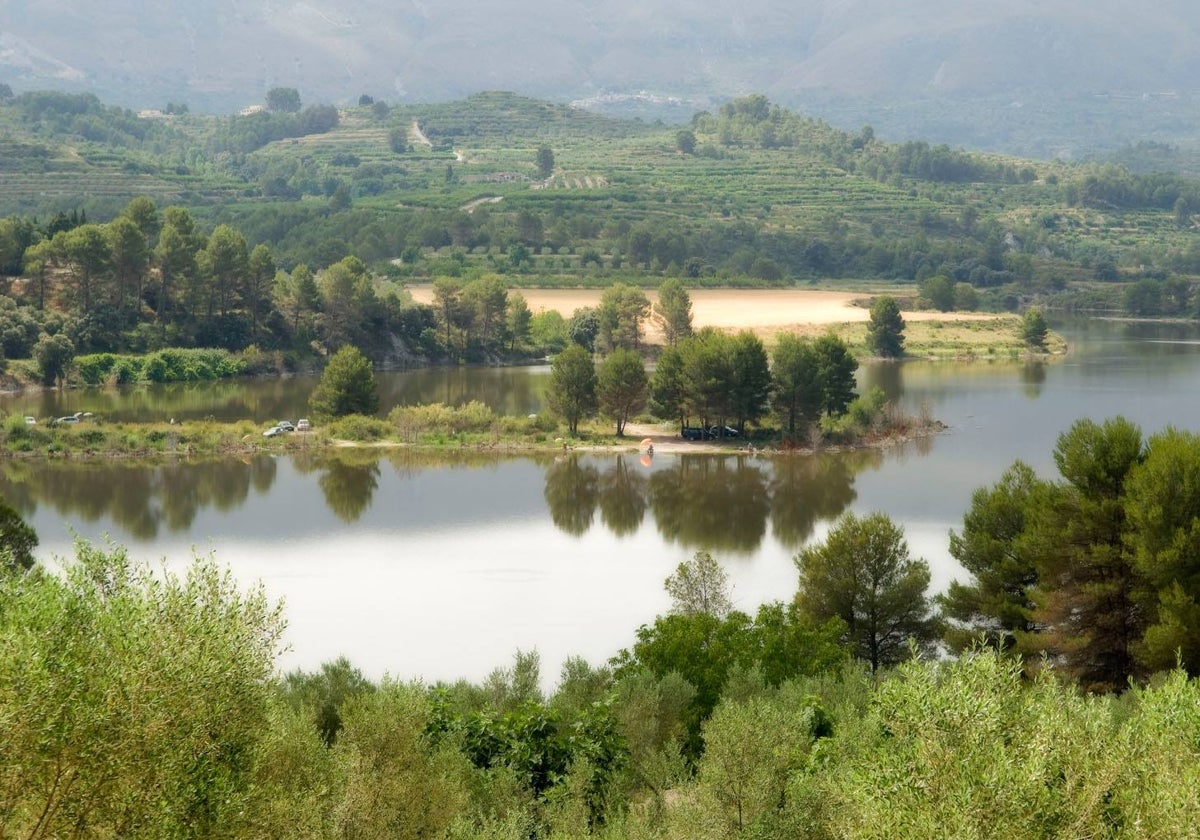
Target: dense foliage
x,y
347,386
1093,571
138,701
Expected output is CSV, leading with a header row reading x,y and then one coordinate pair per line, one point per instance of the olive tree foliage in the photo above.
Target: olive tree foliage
x,y
572,393
322,694
864,575
133,699
885,329
752,747
347,386
398,784
699,585
622,386
17,540
967,749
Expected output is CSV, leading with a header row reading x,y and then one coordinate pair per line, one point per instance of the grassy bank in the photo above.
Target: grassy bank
x,y
474,426
986,338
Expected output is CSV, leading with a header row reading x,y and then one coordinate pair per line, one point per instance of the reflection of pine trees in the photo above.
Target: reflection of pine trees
x,y
711,502
572,492
622,498
707,501
134,507
140,498
807,490
349,487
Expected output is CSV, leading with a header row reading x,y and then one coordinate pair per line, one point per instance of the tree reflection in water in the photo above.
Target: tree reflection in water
x,y
572,492
348,480
708,501
349,488
808,489
714,502
1033,379
622,498
140,498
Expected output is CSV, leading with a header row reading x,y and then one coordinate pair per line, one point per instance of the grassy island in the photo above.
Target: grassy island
x,y
473,426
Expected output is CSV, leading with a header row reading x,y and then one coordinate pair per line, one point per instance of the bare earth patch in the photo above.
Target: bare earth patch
x,y
764,311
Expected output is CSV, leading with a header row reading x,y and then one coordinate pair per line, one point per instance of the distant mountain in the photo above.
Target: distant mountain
x,y
1051,76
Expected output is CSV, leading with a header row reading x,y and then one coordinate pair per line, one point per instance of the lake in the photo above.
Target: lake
x,y
441,565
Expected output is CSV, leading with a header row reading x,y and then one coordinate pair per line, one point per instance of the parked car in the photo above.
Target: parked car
x,y
30,421
302,425
280,428
722,431
70,418
694,433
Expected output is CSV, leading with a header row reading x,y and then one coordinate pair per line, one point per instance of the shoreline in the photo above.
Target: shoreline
x,y
664,443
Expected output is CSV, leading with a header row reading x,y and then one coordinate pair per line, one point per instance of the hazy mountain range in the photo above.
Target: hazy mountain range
x,y
1003,73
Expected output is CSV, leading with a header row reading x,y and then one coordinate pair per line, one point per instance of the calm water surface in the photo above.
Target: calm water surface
x,y
441,567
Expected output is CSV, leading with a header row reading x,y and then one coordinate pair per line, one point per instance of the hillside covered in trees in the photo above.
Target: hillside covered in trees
x,y
299,223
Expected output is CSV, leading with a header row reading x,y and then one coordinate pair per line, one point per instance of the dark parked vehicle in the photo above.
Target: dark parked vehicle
x,y
694,433
722,431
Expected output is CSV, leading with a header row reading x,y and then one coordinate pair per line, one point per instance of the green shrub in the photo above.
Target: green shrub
x,y
359,428
863,414
473,417
15,428
127,371
412,421
94,368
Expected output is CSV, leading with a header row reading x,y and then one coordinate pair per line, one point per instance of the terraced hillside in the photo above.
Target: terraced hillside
x,y
748,193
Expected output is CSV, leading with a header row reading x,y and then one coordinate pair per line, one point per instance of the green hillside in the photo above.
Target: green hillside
x,y
543,194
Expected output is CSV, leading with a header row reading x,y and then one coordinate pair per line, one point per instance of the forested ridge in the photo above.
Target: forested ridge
x,y
150,231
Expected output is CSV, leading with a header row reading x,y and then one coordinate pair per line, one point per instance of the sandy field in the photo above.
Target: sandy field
x,y
760,310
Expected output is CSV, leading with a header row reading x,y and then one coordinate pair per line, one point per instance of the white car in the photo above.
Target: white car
x,y
302,425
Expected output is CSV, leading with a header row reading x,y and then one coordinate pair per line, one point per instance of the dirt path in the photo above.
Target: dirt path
x,y
470,206
417,135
